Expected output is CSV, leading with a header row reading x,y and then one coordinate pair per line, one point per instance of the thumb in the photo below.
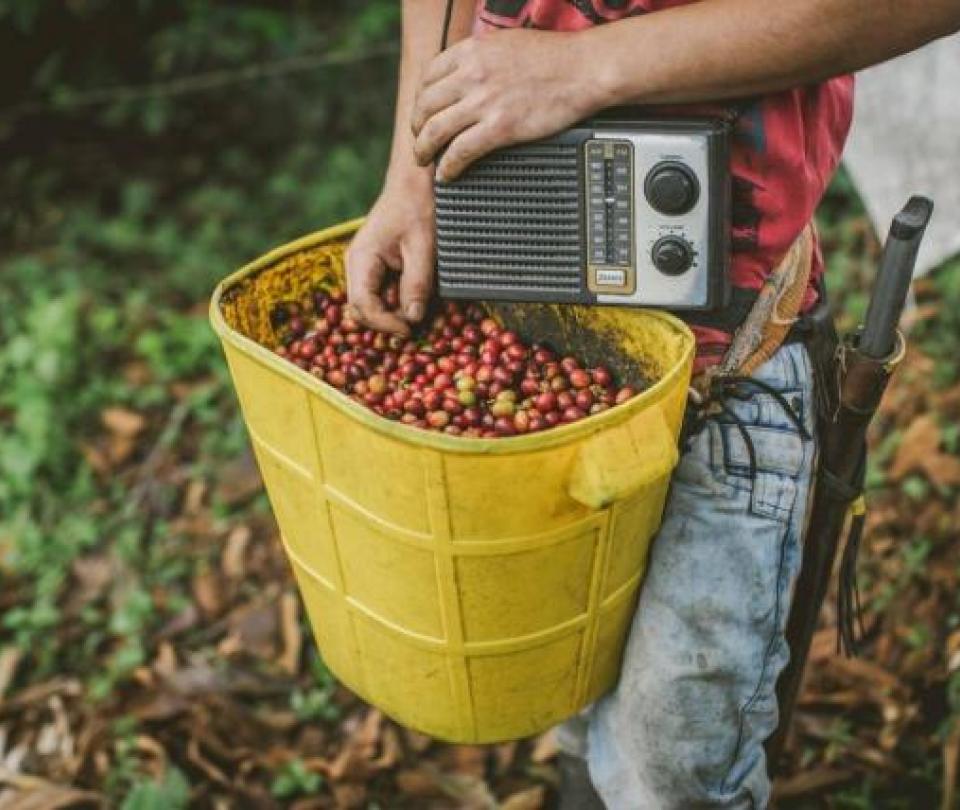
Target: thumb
x,y
416,277
365,272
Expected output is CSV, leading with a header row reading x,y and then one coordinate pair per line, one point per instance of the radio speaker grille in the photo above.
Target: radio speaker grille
x,y
511,226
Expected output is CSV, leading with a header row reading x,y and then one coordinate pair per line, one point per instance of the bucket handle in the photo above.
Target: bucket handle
x,y
618,462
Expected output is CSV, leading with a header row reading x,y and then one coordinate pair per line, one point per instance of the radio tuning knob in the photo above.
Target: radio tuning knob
x,y
672,255
671,188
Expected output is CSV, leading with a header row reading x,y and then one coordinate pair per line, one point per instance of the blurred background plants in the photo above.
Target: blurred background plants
x,y
146,149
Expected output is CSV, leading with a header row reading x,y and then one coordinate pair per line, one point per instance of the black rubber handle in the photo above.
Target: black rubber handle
x,y
899,259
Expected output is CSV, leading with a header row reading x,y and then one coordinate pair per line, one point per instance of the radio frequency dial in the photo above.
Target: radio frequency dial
x,y
671,188
672,255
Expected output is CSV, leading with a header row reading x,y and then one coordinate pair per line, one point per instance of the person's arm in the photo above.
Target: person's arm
x,y
398,233
473,100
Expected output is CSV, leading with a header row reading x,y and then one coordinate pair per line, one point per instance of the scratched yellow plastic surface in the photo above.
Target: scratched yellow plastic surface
x,y
474,589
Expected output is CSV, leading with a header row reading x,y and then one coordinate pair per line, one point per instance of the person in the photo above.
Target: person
x,y
686,724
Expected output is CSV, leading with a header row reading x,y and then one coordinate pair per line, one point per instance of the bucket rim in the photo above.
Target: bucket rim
x,y
406,434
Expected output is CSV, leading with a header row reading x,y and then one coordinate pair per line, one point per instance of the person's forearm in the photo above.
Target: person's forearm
x,y
422,28
721,49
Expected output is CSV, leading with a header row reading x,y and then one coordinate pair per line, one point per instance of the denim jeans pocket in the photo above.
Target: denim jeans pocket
x,y
778,453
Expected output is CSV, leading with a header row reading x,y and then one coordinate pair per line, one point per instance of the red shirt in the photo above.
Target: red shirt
x,y
786,148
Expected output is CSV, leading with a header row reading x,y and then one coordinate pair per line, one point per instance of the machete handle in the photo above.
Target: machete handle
x,y
899,259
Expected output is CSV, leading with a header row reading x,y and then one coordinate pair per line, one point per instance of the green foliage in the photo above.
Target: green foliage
x,y
941,335
172,792
111,249
316,703
295,780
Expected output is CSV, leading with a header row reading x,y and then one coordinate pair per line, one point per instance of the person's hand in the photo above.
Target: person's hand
x,y
499,89
398,235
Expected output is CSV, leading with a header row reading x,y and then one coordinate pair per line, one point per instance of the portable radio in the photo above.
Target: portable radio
x,y
613,211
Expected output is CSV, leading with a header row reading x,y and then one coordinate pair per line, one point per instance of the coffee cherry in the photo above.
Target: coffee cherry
x,y
529,387
432,400
579,378
415,407
463,375
504,426
545,403
543,356
584,400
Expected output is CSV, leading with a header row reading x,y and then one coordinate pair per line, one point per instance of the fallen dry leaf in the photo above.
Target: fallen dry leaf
x,y
545,748
470,792
421,781
289,607
811,781
93,574
253,630
208,594
951,752
919,441
33,793
529,799
391,750
96,457
234,552
51,797
9,660
238,481
356,760
468,759
194,496
823,645
943,470
349,796
123,422
418,742
919,451
165,662
867,672
505,754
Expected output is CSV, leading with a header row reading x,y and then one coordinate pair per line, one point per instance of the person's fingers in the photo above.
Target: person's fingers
x,y
443,64
365,272
416,277
441,129
432,100
469,146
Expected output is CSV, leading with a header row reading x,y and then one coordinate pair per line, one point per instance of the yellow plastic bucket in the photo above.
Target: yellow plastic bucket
x,y
474,589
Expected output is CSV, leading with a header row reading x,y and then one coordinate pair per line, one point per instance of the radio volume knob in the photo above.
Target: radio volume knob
x,y
672,255
671,188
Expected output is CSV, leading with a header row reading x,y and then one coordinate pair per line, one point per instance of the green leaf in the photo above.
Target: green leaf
x,y
295,780
170,793
915,488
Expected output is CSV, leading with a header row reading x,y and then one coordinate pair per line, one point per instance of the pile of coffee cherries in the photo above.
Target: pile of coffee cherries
x,y
465,376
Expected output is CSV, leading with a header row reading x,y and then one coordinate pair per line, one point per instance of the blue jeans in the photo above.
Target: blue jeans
x,y
685,725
